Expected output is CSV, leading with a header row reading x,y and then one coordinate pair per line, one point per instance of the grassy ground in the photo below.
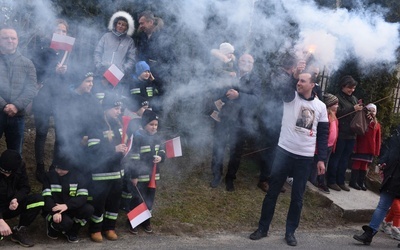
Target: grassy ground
x,y
185,204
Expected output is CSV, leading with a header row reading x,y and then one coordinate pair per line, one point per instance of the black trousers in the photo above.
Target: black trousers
x,y
27,210
106,198
70,217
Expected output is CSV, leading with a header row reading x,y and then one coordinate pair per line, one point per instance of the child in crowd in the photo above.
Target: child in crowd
x,y
106,150
224,71
367,146
146,152
143,84
65,193
332,103
139,105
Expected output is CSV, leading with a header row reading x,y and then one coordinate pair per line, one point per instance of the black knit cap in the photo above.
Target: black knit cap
x,y
111,100
10,161
137,102
148,116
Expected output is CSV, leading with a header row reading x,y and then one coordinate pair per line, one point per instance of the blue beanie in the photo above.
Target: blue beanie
x,y
141,67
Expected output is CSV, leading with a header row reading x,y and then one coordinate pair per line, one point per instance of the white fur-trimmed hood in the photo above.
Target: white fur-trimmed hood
x,y
127,16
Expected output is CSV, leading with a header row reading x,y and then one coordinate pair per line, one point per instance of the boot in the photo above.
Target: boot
x,y
361,180
353,179
366,237
229,184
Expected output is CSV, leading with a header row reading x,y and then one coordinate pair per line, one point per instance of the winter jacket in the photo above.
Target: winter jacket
x,y
114,48
104,162
15,186
17,81
370,142
70,189
391,172
141,156
346,106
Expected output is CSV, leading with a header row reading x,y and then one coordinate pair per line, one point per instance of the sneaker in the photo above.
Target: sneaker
x,y
289,180
386,227
20,236
133,230
263,185
215,116
51,232
148,229
395,233
323,188
96,237
111,235
334,187
72,237
219,103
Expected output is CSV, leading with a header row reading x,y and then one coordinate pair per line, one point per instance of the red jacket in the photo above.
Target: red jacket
x,y
370,142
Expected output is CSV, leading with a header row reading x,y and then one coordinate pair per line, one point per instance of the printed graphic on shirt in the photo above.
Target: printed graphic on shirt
x,y
305,118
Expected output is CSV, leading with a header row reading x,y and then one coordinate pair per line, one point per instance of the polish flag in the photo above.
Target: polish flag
x,y
62,42
173,147
113,74
139,214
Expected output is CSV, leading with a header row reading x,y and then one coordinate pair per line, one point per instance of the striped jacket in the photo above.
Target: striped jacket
x,y
70,189
104,162
141,156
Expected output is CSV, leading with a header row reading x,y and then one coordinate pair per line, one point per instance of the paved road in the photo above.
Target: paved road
x,y
338,238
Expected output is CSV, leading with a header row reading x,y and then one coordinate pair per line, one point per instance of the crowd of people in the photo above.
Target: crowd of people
x,y
101,165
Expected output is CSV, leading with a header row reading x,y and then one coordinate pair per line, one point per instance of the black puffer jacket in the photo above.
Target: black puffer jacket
x,y
346,106
391,180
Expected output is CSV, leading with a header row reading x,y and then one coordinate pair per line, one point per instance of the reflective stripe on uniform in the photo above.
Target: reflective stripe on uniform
x,y
36,204
145,149
82,191
56,188
145,178
111,215
96,219
92,142
135,91
149,91
126,195
107,176
81,222
46,192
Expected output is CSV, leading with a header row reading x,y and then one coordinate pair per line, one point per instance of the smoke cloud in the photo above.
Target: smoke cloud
x,y
259,27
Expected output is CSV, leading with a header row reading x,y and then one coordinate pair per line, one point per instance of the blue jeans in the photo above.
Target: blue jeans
x,y
286,164
339,161
385,201
13,129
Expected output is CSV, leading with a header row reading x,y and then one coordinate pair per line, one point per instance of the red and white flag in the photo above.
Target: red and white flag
x,y
139,214
62,42
173,147
113,74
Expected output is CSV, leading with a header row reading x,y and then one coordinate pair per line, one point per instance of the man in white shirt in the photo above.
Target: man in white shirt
x,y
295,152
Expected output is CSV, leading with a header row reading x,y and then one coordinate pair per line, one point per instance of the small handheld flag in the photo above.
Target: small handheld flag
x,y
139,214
113,74
173,147
62,42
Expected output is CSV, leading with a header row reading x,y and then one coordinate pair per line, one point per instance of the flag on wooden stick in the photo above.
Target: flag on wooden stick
x,y
113,74
139,214
62,42
173,147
